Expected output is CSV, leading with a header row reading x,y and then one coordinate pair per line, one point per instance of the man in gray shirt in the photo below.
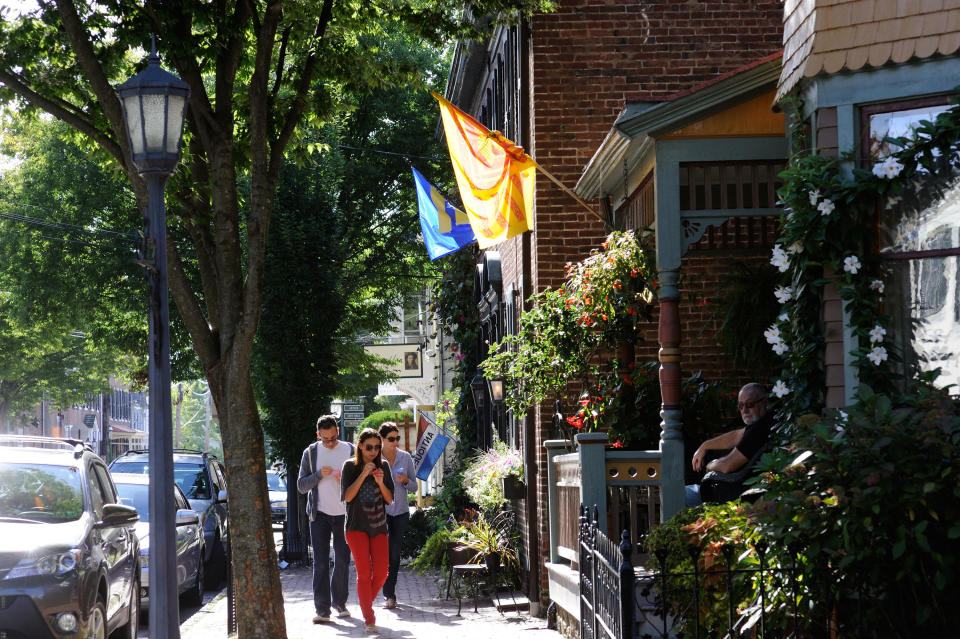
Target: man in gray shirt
x,y
319,480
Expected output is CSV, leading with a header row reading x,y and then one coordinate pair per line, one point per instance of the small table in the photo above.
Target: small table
x,y
470,574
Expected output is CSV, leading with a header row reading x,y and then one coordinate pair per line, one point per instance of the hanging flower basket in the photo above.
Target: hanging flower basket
x,y
513,487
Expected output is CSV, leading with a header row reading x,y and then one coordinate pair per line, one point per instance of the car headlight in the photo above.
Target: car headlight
x,y
55,563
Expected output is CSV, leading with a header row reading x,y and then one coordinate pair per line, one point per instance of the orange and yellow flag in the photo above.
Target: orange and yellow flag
x,y
495,177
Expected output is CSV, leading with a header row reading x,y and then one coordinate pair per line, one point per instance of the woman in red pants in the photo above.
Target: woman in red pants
x,y
367,489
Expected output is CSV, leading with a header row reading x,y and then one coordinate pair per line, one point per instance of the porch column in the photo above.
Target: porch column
x,y
669,234
671,433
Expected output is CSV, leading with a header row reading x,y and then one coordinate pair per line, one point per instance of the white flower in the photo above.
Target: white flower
x,y
780,348
784,294
780,389
877,355
843,416
826,207
877,333
877,285
814,196
782,317
773,335
851,264
888,169
780,259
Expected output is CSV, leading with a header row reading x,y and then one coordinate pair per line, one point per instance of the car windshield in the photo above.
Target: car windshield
x,y
276,482
192,480
40,492
136,495
135,467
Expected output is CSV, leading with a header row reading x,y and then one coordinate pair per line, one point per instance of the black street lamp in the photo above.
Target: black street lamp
x,y
154,103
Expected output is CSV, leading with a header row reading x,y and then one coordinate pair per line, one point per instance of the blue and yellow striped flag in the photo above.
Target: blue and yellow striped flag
x,y
445,227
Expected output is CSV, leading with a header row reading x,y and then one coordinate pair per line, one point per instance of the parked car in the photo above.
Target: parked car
x,y
69,556
277,486
134,490
202,479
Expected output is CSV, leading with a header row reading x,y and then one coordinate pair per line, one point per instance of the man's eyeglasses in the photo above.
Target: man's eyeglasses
x,y
393,439
328,440
371,447
750,403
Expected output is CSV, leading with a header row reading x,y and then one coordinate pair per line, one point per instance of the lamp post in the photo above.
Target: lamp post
x,y
154,103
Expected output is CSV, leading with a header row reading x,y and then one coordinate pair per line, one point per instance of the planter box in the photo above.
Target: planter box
x,y
514,488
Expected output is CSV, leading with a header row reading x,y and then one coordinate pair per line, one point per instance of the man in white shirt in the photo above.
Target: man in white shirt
x,y
319,480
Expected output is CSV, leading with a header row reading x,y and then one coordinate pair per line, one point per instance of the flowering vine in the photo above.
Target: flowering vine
x,y
826,209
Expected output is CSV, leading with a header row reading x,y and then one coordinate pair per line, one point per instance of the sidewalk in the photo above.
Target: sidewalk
x,y
418,614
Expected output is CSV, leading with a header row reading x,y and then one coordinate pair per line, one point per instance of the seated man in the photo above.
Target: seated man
x,y
745,442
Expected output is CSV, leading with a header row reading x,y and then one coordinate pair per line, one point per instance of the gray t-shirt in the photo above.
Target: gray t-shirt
x,y
367,512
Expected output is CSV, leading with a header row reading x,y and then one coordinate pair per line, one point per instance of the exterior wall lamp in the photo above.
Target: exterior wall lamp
x,y
496,391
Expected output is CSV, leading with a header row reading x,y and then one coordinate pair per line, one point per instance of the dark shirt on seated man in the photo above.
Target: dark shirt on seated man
x,y
745,442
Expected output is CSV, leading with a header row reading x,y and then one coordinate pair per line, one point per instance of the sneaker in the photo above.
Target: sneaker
x,y
321,619
390,603
371,629
342,611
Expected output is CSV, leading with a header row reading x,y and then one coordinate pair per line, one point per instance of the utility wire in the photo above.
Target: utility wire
x,y
60,226
402,155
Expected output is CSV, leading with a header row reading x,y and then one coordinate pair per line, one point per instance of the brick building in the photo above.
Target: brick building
x,y
590,91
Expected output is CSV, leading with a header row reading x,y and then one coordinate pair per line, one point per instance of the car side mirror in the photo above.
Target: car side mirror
x,y
222,497
187,517
117,515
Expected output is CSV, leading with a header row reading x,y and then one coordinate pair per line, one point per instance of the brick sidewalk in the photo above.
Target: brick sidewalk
x,y
418,614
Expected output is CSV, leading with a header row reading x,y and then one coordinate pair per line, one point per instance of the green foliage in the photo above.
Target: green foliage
x,y
376,419
746,306
708,529
484,473
486,539
456,315
433,553
421,528
597,312
873,503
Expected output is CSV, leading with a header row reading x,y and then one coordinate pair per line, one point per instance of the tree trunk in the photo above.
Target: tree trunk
x,y
254,555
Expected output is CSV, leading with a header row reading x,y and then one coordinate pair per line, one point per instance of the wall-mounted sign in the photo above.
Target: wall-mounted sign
x,y
407,357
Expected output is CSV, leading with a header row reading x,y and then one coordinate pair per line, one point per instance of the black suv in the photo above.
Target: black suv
x,y
69,556
202,479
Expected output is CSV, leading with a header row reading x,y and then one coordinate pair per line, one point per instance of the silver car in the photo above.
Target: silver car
x,y
69,556
277,489
202,478
134,490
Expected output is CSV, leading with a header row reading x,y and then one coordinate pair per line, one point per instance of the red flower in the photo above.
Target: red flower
x,y
604,245
584,402
618,444
604,316
704,302
576,422
626,379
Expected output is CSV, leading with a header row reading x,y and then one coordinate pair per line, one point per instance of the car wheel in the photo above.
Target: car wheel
x,y
216,568
97,622
194,596
130,629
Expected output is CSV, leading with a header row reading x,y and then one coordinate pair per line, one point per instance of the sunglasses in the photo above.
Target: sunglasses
x,y
328,440
371,447
750,404
393,439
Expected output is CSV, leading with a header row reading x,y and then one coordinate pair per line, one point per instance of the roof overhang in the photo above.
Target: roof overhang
x,y
633,134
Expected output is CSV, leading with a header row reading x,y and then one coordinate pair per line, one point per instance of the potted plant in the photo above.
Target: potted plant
x,y
513,487
485,476
491,543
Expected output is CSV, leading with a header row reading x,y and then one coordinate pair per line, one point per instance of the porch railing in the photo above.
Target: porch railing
x,y
623,485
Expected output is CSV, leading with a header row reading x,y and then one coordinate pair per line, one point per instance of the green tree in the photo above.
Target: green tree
x,y
257,72
71,303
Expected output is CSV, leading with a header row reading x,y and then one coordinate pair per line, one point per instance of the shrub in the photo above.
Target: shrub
x,y
374,420
873,504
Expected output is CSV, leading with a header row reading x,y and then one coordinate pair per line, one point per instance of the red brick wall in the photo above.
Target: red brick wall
x,y
590,58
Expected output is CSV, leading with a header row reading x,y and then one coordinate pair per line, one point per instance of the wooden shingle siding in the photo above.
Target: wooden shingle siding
x,y
830,36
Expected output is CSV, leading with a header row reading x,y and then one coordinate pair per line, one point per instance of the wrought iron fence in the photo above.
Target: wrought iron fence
x,y
760,599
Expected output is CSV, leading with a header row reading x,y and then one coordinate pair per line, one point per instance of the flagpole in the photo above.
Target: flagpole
x,y
568,191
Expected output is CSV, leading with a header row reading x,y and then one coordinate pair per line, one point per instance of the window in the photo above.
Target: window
x,y
919,238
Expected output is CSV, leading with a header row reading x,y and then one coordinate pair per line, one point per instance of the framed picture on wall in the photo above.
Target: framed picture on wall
x,y
407,358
